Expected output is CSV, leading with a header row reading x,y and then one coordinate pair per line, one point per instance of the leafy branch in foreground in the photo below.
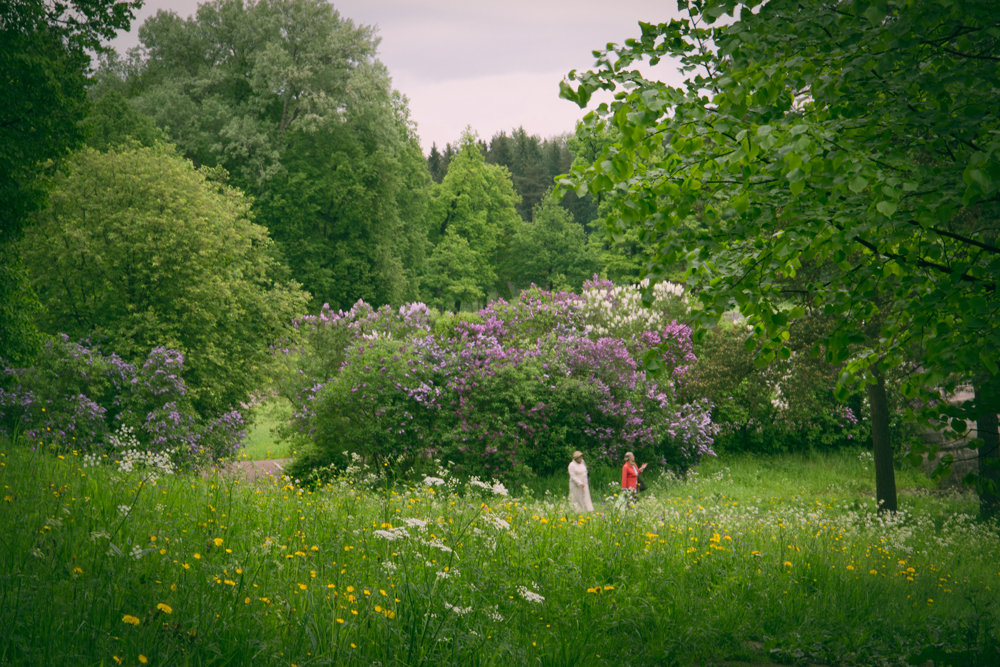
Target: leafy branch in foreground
x,y
850,151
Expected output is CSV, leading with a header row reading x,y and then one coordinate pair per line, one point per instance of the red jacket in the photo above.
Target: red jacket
x,y
630,473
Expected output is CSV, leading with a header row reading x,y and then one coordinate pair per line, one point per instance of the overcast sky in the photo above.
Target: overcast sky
x,y
489,64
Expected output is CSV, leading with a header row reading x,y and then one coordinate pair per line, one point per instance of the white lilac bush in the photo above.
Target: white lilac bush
x,y
512,389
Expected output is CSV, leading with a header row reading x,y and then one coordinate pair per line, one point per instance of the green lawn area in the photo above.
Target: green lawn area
x,y
262,439
747,560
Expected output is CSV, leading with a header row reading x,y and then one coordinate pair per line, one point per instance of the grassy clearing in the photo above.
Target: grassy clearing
x,y
262,440
778,560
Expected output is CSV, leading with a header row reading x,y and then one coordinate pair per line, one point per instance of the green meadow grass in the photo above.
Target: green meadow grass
x,y
778,560
262,441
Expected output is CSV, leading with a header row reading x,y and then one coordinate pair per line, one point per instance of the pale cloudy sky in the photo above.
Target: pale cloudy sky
x,y
489,64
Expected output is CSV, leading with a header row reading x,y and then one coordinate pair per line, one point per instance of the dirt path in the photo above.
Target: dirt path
x,y
253,470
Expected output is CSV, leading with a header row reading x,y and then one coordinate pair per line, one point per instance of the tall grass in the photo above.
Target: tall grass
x,y
778,560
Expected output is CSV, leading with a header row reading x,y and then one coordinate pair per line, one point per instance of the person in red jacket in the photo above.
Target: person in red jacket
x,y
630,474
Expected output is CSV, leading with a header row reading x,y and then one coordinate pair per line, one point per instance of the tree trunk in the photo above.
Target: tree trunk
x,y
988,457
885,474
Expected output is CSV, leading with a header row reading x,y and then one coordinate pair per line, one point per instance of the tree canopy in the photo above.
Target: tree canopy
x,y
472,220
841,158
138,249
44,59
289,97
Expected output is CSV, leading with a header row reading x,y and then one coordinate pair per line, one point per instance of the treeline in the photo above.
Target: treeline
x,y
289,102
533,164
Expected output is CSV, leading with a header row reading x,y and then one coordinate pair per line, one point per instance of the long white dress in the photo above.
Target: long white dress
x,y
579,487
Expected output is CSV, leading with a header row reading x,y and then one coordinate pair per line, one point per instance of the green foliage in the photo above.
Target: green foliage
x,y
74,398
289,98
472,221
43,53
44,57
551,250
138,249
19,335
834,160
780,172
788,406
112,122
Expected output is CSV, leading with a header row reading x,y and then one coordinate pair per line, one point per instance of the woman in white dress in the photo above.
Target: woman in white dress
x,y
579,485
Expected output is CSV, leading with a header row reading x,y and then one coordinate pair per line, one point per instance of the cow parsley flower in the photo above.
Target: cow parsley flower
x,y
530,595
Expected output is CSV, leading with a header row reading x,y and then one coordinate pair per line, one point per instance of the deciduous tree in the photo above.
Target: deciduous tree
x,y
139,249
856,143
44,57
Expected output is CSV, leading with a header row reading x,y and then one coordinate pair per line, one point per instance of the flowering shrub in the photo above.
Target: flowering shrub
x,y
788,406
75,398
511,391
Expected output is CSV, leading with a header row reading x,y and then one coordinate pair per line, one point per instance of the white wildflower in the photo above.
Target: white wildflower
x,y
392,534
530,595
438,545
496,521
461,611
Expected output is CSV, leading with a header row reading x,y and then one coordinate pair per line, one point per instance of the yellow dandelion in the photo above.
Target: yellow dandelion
x,y
197,556
303,586
130,619
787,563
218,541
143,659
165,608
340,620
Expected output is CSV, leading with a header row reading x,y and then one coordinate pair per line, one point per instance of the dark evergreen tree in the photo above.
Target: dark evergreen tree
x,y
436,164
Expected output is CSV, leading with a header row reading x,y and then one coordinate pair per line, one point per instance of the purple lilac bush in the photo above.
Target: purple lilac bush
x,y
511,390
76,398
